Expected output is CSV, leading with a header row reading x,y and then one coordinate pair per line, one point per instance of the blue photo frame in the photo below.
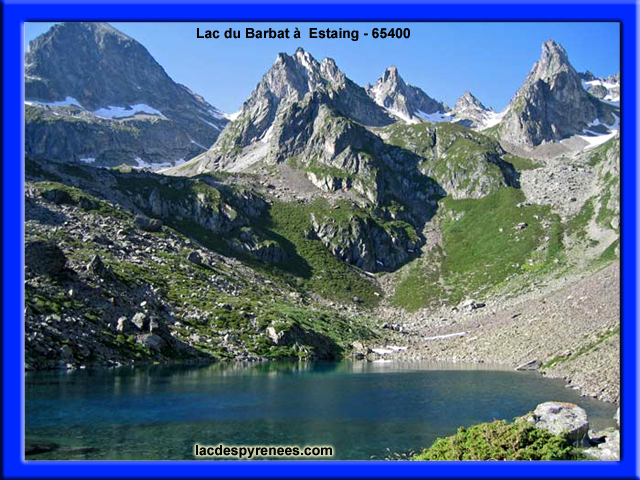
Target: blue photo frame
x,y
15,13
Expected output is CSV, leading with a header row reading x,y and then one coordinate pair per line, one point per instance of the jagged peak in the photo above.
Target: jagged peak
x,y
300,58
468,101
470,96
552,48
554,60
391,76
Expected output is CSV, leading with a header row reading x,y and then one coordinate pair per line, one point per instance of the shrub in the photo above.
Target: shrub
x,y
500,440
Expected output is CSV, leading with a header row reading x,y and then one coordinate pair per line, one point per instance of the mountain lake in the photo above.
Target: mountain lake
x,y
365,410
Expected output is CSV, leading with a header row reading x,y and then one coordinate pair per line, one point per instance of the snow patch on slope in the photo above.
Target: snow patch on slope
x,y
594,139
123,112
67,102
493,119
435,117
109,112
152,166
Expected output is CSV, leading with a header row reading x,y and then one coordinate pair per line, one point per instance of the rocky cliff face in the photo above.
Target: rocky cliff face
x,y
405,102
552,104
94,93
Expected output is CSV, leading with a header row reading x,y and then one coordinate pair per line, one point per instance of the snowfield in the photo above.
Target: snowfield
x,y
594,139
123,112
109,112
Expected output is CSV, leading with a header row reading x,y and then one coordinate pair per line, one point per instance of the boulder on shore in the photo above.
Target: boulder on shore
x,y
562,419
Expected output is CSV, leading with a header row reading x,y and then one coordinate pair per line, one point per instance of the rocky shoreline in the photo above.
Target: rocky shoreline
x,y
571,332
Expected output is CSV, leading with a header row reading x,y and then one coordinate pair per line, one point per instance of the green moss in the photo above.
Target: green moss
x,y
500,440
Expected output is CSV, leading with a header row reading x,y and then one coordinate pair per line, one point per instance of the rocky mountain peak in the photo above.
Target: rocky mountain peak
x,y
402,100
468,100
118,69
392,76
552,104
553,61
471,113
106,76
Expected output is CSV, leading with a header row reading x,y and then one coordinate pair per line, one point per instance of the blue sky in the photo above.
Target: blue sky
x,y
444,59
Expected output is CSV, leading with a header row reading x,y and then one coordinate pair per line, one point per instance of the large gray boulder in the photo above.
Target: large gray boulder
x,y
563,419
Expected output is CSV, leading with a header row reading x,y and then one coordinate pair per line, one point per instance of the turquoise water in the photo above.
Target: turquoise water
x,y
364,410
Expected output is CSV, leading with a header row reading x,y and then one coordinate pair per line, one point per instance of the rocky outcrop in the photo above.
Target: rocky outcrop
x,y
552,104
607,89
313,344
109,102
367,243
250,242
406,102
464,163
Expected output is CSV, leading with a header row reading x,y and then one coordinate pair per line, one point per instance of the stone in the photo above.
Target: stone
x,y
98,268
66,354
44,258
609,450
195,257
616,417
141,321
147,224
156,326
34,448
530,365
273,335
563,419
471,305
126,326
152,341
